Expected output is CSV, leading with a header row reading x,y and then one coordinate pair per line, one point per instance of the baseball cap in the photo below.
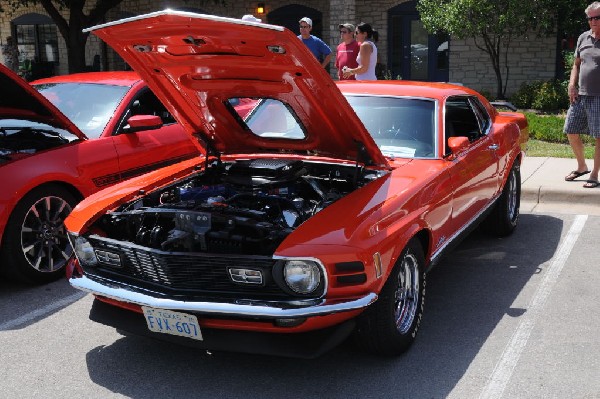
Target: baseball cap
x,y
350,27
307,20
251,18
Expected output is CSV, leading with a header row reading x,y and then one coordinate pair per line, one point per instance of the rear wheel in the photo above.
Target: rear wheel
x,y
391,324
505,215
36,248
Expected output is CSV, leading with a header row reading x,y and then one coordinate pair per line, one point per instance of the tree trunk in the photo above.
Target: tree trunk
x,y
76,52
492,48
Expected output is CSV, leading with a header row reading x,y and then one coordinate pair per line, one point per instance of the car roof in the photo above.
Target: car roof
x,y
115,78
403,88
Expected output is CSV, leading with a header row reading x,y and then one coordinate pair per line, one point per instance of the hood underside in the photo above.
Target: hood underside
x,y
195,63
20,100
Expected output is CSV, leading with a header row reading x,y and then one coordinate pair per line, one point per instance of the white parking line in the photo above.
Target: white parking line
x,y
26,318
510,356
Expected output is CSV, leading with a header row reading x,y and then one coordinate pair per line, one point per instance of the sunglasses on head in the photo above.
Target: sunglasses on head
x,y
596,18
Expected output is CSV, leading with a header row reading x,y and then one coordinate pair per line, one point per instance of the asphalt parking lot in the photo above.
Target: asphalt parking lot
x,y
505,318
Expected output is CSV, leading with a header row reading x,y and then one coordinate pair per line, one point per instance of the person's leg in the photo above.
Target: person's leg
x,y
578,150
593,110
576,122
596,169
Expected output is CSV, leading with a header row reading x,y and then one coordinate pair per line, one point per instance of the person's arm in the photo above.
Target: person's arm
x,y
574,80
365,58
326,60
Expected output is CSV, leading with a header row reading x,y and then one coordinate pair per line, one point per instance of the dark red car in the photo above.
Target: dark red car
x,y
50,160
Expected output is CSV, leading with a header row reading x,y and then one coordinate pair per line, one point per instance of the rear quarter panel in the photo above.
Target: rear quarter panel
x,y
521,121
514,138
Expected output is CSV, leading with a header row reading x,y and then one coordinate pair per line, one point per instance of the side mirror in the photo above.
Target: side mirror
x,y
457,144
137,123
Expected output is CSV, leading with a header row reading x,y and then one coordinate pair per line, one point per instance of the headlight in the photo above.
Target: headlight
x,y
84,251
302,276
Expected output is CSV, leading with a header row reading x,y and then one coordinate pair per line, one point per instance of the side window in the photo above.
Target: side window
x,y
460,119
485,121
146,103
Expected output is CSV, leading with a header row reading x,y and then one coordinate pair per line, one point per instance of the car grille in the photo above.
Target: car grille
x,y
176,273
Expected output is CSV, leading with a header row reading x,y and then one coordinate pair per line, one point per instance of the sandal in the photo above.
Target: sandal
x,y
591,184
575,174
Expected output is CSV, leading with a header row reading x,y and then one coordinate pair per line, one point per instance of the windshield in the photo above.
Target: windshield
x,y
88,105
401,127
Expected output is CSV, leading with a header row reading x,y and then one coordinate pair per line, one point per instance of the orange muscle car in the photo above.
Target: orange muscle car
x,y
314,217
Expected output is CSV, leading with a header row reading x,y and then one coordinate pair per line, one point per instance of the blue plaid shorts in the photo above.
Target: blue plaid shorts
x,y
583,116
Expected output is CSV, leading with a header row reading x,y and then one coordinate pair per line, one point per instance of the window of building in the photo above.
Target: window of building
x,y
37,40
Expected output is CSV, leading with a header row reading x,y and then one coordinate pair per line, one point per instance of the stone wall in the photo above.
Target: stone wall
x,y
375,13
529,59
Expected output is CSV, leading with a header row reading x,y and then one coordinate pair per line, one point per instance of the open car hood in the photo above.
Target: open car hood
x,y
195,63
20,99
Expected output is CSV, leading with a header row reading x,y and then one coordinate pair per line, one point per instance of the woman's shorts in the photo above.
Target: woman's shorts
x,y
583,116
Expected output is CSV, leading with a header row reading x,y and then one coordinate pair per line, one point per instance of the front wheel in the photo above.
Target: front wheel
x,y
391,324
36,248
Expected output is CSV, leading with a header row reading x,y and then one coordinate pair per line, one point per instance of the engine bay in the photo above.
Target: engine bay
x,y
242,207
22,141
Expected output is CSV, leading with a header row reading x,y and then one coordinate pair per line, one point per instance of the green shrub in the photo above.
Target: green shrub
x,y
383,73
524,97
551,96
549,128
569,59
546,127
547,96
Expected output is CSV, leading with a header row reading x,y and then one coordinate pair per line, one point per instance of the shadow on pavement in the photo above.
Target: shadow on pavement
x,y
467,295
22,305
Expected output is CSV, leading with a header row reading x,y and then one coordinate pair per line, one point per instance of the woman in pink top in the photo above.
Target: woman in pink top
x,y
367,55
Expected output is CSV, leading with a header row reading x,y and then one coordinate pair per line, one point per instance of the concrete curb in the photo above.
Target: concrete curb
x,y
542,182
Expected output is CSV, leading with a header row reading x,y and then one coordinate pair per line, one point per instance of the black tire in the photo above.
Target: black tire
x,y
390,325
36,248
504,217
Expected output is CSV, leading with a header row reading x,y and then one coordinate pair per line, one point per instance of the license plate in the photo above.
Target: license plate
x,y
174,323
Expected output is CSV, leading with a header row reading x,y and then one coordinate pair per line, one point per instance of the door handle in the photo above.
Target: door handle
x,y
494,147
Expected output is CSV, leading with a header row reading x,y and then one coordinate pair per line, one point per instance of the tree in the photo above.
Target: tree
x,y
71,27
493,24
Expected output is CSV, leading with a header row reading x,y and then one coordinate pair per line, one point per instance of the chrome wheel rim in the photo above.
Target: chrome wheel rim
x,y
407,293
512,195
43,235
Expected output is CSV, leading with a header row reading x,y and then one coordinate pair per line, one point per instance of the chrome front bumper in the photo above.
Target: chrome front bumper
x,y
243,308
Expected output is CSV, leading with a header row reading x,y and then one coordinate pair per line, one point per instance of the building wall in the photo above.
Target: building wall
x,y
468,64
529,59
375,13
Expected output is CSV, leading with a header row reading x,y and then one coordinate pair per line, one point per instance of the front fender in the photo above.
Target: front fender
x,y
96,205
